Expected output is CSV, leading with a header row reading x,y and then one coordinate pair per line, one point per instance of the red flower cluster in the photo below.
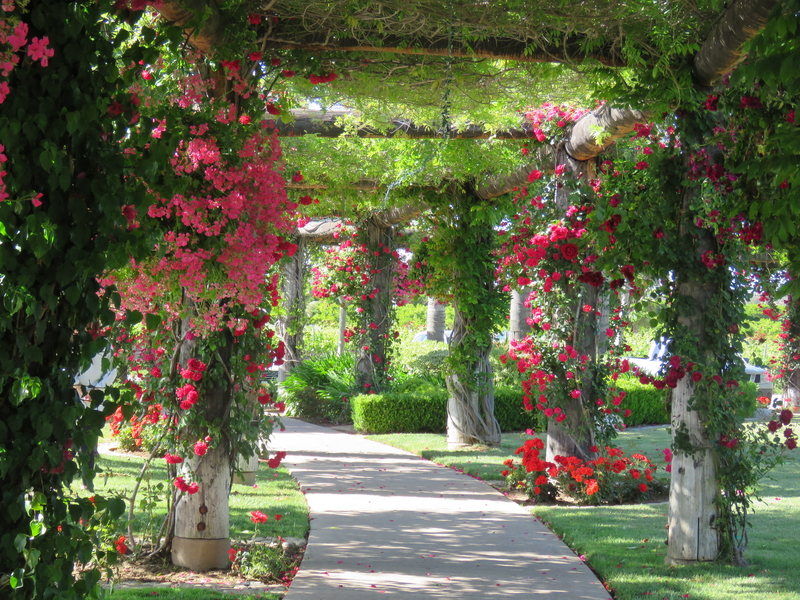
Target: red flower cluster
x,y
257,517
275,461
784,419
120,545
582,478
201,447
190,488
315,79
188,396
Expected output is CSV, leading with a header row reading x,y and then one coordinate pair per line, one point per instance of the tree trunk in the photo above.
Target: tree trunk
x,y
289,326
792,391
692,536
342,325
212,32
722,50
434,326
470,406
518,326
201,541
371,365
575,435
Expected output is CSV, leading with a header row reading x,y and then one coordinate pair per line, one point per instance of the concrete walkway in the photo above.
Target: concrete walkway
x,y
387,522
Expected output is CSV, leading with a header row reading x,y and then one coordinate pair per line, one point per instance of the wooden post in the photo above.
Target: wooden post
x,y
202,529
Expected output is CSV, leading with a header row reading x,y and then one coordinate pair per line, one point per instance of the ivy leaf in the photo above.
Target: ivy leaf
x,y
152,321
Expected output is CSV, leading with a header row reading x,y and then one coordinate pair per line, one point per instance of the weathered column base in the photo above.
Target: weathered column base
x,y
248,469
245,478
199,554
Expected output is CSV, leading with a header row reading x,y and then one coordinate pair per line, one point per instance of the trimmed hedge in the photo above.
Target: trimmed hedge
x,y
511,414
425,410
404,412
648,405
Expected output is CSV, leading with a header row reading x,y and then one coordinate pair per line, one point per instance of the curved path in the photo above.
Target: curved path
x,y
387,522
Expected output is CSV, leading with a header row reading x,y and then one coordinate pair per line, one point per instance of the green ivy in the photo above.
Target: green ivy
x,y
62,144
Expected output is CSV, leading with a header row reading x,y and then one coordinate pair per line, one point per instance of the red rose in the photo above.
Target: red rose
x,y
569,251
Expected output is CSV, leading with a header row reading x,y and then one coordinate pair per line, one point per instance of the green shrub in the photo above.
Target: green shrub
x,y
511,414
424,409
406,412
648,405
749,400
422,359
317,390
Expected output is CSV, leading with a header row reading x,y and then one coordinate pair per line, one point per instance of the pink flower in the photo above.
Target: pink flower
x,y
200,448
147,76
254,19
560,169
38,50
19,38
534,175
641,165
4,91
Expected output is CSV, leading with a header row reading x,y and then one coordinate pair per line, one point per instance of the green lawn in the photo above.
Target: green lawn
x,y
275,492
625,545
161,593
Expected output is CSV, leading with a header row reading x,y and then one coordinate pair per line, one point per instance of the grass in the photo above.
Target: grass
x,y
275,492
481,461
625,545
161,593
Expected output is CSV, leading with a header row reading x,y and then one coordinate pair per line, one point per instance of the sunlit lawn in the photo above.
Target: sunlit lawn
x,y
160,593
275,492
625,545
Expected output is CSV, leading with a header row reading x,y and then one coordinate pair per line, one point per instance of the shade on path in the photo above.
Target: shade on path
x,y
386,523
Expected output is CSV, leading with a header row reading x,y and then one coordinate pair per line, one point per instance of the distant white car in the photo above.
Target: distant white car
x,y
651,365
422,336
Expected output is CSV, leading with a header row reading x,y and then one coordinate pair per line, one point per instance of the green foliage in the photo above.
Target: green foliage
x,y
147,440
648,405
317,390
511,414
425,409
60,143
424,360
269,563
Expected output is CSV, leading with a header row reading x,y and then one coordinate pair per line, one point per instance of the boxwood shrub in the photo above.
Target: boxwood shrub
x,y
648,405
425,410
